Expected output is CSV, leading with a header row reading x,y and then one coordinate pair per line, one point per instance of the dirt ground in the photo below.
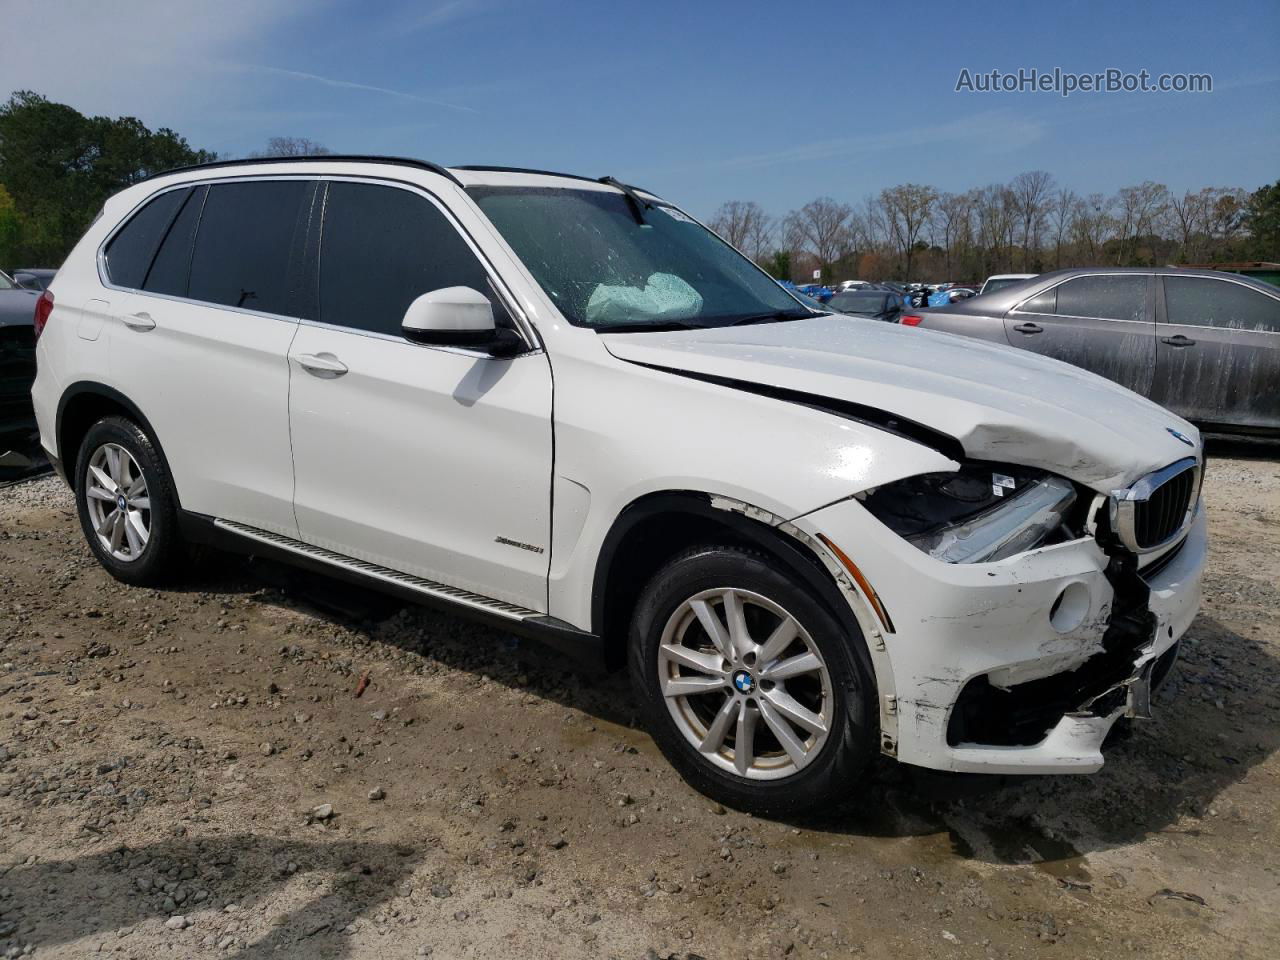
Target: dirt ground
x,y
189,773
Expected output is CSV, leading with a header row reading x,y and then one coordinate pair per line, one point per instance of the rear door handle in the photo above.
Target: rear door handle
x,y
324,365
1029,328
139,321
1178,341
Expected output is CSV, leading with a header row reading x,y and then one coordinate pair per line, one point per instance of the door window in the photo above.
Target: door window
x,y
248,248
130,251
171,268
1044,302
1105,297
381,249
1206,302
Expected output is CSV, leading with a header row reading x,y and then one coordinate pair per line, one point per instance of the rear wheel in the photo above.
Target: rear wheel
x,y
126,504
752,689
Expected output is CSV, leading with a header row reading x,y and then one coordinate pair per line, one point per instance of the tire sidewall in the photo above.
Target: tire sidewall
x,y
153,566
854,735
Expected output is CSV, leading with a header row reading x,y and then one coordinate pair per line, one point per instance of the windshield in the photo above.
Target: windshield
x,y
607,270
5,283
868,304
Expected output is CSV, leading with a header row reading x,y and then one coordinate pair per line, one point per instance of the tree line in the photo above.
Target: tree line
x,y
58,166
915,232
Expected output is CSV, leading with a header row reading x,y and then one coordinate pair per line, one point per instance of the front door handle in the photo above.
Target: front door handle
x,y
324,365
1178,341
1029,328
139,321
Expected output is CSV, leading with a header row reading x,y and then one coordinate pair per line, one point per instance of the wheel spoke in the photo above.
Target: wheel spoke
x,y
715,629
140,503
138,527
131,534
113,466
693,659
744,739
793,667
98,493
719,728
782,730
784,634
104,480
138,487
689,686
737,621
117,531
108,520
792,710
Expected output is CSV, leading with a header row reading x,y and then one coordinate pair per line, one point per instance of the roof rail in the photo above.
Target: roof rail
x,y
320,158
485,168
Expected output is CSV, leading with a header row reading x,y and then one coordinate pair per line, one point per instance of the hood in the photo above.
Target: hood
x,y
999,403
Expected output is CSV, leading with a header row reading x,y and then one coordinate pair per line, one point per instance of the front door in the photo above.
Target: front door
x,y
431,461
1104,323
1218,355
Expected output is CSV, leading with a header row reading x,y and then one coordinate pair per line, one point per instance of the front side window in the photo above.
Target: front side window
x,y
612,264
1205,302
249,246
1105,297
383,247
131,250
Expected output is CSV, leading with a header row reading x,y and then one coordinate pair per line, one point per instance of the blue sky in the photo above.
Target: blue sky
x,y
701,101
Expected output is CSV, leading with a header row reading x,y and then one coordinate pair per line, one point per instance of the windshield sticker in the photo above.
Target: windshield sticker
x,y
675,214
1000,483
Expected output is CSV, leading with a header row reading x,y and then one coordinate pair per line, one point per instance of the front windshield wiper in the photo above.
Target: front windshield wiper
x,y
636,203
776,317
642,327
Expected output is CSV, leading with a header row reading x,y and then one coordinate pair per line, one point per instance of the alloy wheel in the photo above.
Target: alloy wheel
x,y
119,507
745,683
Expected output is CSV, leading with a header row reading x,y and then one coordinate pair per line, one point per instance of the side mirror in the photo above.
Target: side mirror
x,y
458,317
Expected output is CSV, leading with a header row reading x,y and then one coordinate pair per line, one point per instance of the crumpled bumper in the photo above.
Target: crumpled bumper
x,y
1020,666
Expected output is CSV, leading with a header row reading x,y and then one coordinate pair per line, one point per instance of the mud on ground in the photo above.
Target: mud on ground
x,y
187,773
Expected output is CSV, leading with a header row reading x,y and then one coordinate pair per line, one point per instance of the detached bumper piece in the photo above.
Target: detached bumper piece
x,y
1118,679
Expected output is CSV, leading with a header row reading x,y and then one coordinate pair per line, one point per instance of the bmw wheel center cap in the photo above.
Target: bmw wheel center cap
x,y
743,682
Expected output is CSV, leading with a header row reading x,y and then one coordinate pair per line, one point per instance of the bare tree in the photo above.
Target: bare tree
x,y
906,210
951,224
1093,225
1138,210
292,147
745,225
1031,192
1062,213
821,229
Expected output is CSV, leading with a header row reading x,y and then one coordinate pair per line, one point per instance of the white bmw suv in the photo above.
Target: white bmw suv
x,y
563,405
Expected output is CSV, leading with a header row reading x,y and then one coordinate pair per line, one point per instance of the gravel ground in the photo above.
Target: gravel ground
x,y
190,773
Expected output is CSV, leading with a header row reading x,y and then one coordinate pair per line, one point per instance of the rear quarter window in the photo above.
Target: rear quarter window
x,y
131,250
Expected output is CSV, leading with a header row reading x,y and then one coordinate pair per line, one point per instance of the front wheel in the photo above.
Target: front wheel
x,y
757,695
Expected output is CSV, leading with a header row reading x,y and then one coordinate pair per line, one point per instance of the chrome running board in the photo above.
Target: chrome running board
x,y
428,588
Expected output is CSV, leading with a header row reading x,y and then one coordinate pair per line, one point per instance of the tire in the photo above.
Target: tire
x,y
140,561
779,780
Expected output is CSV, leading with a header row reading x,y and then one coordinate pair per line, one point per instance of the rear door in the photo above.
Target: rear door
x,y
1218,355
1104,323
199,339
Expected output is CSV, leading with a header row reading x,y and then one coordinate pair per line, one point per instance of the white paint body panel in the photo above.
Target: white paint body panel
x,y
417,458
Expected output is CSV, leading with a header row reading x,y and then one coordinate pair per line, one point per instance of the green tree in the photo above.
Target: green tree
x,y
1262,220
59,166
10,229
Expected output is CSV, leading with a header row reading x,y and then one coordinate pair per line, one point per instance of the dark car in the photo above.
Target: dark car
x,y
17,357
1202,343
33,278
872,304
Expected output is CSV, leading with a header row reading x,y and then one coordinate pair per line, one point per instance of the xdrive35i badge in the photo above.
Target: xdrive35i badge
x,y
516,543
1181,436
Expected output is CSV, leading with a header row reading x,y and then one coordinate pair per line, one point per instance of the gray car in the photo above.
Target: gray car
x,y
17,357
1202,343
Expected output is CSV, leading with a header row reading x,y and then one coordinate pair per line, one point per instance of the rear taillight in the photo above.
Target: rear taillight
x,y
910,320
44,307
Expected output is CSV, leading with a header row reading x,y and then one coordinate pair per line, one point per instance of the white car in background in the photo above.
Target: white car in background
x,y
584,417
998,280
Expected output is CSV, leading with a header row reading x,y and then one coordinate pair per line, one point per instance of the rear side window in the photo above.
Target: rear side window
x,y
1205,302
381,249
1115,297
248,249
130,251
1044,302
172,266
